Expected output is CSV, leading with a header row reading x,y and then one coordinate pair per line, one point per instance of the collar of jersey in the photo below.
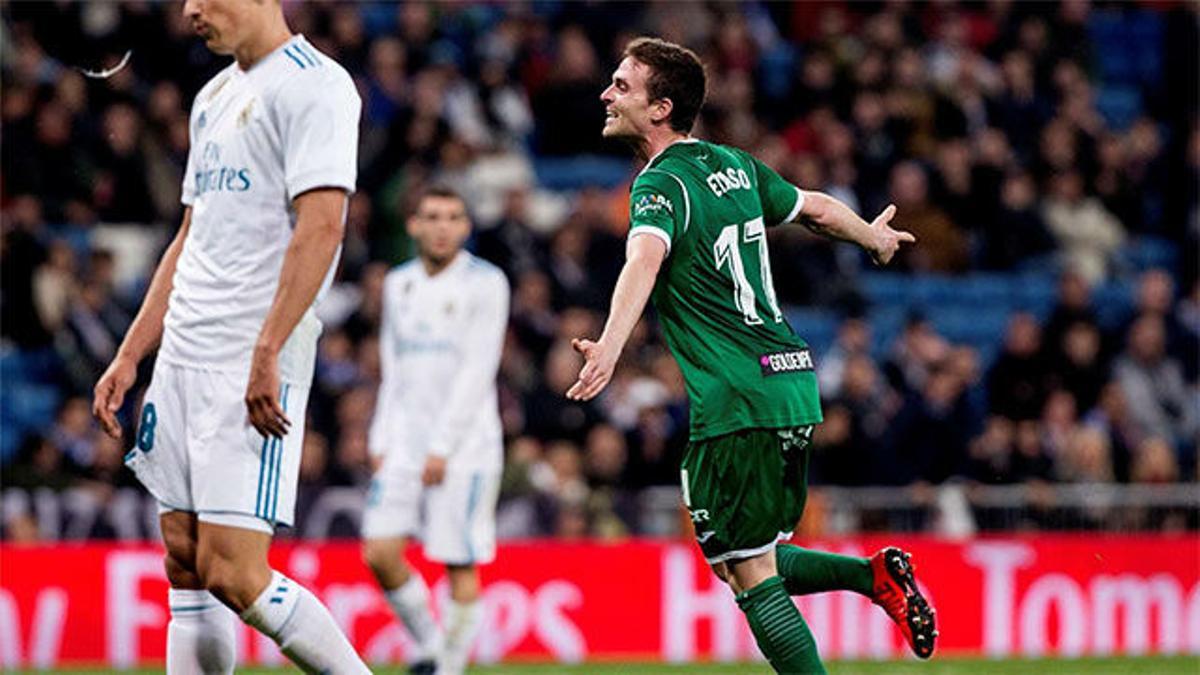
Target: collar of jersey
x,y
682,141
296,38
460,259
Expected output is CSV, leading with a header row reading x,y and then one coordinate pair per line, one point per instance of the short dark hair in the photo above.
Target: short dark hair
x,y
676,73
436,190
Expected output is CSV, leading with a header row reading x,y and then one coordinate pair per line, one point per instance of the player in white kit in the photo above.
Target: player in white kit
x,y
274,140
436,437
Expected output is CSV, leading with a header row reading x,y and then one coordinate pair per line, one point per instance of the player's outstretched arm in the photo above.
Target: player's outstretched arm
x,y
142,336
644,256
319,227
828,216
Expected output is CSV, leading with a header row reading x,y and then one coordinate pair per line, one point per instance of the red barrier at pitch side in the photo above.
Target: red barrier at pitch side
x,y
1053,595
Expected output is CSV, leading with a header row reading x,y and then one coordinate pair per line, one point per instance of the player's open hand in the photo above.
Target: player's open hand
x,y
109,394
262,395
887,241
599,363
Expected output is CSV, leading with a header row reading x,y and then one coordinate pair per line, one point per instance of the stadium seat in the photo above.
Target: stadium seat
x,y
575,173
1120,105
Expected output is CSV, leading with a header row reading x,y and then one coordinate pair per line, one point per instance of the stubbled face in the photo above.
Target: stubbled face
x,y
222,23
439,227
626,101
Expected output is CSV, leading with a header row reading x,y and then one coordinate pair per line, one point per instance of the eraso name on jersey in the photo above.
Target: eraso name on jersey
x,y
792,361
728,180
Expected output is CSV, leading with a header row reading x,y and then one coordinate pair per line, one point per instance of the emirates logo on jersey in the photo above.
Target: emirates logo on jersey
x,y
214,177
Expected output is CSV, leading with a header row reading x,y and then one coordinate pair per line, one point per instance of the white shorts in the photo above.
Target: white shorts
x,y
456,520
196,451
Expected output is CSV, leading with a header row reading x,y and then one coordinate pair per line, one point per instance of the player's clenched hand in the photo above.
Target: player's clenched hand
x,y
109,394
887,241
262,395
599,362
435,470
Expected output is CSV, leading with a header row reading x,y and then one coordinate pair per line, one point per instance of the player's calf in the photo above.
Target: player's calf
x,y
463,617
385,559
408,595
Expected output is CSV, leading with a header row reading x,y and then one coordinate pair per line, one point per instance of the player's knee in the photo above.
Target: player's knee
x,y
219,578
181,573
232,582
384,558
464,582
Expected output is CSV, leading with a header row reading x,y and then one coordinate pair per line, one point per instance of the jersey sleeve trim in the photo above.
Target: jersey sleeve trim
x,y
646,229
791,217
687,201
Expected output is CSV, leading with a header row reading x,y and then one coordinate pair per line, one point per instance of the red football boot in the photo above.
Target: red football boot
x,y
895,590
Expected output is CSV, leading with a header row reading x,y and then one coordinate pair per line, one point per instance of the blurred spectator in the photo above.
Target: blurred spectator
x,y
1014,383
121,189
1154,462
1087,232
1153,384
930,433
1073,305
1085,458
54,284
40,463
854,339
567,108
1017,232
856,425
1111,416
549,414
1079,368
943,246
917,351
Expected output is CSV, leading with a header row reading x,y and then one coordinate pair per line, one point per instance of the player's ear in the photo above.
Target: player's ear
x,y
660,110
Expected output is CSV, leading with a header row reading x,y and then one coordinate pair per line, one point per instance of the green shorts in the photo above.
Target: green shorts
x,y
744,489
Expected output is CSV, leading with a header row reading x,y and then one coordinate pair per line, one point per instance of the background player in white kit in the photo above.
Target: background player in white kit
x,y
274,140
436,436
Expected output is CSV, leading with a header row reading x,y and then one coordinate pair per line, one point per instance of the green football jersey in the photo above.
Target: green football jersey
x,y
743,364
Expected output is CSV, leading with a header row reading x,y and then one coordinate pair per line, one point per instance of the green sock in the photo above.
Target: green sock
x,y
779,629
806,571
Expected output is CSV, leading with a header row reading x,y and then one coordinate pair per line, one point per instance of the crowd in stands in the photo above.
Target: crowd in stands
x,y
1015,139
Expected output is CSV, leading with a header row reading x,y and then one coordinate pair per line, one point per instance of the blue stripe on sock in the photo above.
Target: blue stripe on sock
x,y
191,608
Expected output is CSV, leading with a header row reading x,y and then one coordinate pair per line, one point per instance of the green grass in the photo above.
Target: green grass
x,y
1159,665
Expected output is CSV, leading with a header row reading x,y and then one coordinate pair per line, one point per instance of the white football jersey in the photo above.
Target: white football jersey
x,y
259,138
440,342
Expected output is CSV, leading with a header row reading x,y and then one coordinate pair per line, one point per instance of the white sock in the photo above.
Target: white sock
x,y
410,602
462,624
200,636
296,620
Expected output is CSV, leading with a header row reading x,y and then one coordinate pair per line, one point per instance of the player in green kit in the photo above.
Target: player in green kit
x,y
697,245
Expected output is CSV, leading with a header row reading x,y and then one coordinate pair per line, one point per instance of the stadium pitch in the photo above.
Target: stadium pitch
x,y
1158,665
